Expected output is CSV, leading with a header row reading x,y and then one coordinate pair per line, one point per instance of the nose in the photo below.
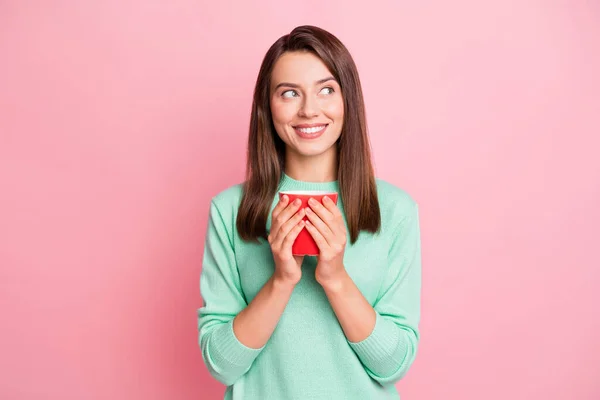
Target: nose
x,y
309,108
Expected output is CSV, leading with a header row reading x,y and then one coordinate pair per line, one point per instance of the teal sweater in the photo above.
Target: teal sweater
x,y
308,356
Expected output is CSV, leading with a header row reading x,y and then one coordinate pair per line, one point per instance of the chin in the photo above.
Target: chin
x,y
313,151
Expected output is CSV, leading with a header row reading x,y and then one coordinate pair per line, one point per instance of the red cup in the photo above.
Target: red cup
x,y
305,245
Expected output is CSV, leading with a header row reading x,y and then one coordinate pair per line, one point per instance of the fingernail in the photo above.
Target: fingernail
x,y
326,199
285,198
312,201
297,202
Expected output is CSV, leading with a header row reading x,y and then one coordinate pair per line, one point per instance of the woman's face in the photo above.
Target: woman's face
x,y
306,104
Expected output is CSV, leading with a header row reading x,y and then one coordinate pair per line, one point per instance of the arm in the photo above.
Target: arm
x,y
389,351
231,332
385,336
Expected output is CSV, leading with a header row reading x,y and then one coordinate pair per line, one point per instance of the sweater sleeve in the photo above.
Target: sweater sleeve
x,y
226,358
389,351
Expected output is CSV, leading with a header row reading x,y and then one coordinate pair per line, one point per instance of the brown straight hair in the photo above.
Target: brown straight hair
x,y
266,151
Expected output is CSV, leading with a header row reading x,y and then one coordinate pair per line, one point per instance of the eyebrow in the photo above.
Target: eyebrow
x,y
293,85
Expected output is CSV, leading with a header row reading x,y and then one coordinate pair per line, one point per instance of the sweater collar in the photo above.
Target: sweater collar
x,y
288,183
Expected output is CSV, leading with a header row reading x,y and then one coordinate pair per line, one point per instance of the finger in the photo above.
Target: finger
x,y
289,210
283,202
323,213
281,205
285,229
331,206
317,236
339,227
320,225
336,223
285,215
292,235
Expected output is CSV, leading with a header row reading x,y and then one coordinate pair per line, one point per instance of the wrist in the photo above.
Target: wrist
x,y
334,283
282,284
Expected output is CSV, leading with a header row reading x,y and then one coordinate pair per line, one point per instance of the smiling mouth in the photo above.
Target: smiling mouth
x,y
310,131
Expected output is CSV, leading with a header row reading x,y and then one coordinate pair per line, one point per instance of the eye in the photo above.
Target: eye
x,y
289,94
327,90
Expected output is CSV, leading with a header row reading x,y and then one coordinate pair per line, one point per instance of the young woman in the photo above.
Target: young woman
x,y
341,325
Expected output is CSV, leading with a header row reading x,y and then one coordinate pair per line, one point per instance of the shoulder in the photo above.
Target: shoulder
x,y
394,198
396,206
227,201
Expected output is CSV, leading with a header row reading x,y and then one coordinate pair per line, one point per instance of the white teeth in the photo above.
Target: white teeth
x,y
311,130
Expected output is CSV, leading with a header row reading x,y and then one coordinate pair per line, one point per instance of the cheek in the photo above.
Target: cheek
x,y
335,110
281,112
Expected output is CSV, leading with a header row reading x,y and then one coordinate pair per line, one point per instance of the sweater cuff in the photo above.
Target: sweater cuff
x,y
383,350
230,351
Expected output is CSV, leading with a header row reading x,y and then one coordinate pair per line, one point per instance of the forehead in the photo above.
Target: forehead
x,y
301,68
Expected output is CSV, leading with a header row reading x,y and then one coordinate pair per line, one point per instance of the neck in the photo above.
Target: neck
x,y
321,168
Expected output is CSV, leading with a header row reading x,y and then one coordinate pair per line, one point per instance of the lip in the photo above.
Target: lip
x,y
309,125
310,136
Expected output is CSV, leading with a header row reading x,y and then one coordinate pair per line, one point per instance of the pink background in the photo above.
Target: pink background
x,y
119,121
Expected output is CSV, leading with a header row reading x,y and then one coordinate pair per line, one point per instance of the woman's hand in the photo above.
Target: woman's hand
x,y
326,225
286,224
